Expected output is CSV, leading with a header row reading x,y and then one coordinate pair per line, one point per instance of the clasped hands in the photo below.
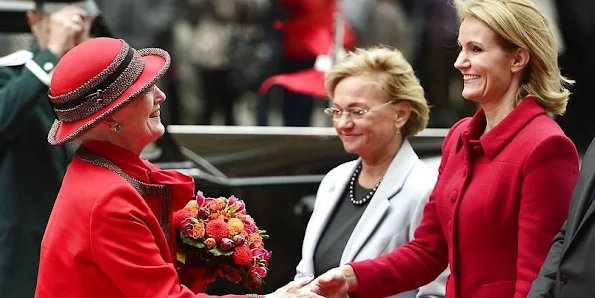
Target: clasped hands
x,y
334,283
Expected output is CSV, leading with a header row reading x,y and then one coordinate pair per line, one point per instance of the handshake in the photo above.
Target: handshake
x,y
334,283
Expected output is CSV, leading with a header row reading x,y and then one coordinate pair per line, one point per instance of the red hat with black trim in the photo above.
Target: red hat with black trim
x,y
95,79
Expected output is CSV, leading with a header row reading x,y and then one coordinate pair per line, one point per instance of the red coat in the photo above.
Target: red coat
x,y
103,239
499,200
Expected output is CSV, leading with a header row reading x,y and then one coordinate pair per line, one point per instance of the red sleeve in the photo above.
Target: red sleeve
x,y
419,261
549,174
125,248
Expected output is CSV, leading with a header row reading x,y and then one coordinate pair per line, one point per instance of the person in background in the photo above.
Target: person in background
x,y
367,207
506,174
109,234
147,23
31,171
568,270
307,32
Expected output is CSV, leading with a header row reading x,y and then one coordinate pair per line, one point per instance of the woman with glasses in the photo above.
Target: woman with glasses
x,y
369,206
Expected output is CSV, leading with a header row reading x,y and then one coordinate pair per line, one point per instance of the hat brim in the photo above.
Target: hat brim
x,y
157,62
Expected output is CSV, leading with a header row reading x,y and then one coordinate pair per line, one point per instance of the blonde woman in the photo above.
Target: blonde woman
x,y
506,174
367,207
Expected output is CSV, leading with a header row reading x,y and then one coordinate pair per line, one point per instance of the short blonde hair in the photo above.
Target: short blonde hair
x,y
521,24
396,77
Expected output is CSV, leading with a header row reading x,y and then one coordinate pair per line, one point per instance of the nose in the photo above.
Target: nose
x,y
159,96
343,122
461,61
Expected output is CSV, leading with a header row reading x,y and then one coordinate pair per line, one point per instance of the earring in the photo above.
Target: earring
x,y
117,127
398,129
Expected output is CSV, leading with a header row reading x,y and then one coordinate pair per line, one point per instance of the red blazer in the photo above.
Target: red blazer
x,y
499,200
103,239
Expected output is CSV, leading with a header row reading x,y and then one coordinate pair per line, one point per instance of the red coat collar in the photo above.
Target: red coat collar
x,y
140,169
181,187
496,139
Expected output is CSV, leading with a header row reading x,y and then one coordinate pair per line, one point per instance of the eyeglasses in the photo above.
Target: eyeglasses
x,y
355,113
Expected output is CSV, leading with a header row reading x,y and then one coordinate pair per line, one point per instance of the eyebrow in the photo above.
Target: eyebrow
x,y
351,105
477,43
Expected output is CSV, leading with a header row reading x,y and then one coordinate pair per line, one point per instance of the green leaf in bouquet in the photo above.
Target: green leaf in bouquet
x,y
192,242
218,252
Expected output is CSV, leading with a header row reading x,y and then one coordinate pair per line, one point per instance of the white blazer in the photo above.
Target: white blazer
x,y
389,220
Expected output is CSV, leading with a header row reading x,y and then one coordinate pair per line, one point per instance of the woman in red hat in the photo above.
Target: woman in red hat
x,y
108,234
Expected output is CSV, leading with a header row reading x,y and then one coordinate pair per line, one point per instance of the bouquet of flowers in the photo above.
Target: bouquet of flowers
x,y
217,236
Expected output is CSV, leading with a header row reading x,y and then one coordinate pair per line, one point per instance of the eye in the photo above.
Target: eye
x,y
358,112
476,49
332,112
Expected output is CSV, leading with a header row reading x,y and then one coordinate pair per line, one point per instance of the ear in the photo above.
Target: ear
x,y
109,121
402,113
32,19
521,59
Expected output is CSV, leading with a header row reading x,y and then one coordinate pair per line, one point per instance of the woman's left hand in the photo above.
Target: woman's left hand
x,y
295,289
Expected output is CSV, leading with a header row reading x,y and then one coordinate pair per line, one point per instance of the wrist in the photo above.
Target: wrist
x,y
350,277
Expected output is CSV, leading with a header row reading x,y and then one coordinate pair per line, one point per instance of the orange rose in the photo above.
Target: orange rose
x,y
216,205
214,215
198,231
210,243
192,206
255,240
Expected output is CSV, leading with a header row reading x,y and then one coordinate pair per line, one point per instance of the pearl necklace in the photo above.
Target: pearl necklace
x,y
351,191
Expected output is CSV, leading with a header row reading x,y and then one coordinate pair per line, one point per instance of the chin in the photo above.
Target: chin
x,y
351,149
468,96
157,135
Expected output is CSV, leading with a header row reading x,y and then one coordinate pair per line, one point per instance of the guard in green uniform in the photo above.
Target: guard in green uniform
x,y
31,170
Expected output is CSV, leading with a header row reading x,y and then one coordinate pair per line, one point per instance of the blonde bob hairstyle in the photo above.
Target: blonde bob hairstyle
x,y
521,25
395,77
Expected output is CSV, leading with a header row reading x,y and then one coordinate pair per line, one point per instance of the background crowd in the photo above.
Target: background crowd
x,y
223,50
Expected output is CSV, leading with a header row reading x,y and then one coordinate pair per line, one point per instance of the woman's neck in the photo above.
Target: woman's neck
x,y
374,168
495,113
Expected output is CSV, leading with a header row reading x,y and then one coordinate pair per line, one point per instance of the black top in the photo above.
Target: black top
x,y
334,238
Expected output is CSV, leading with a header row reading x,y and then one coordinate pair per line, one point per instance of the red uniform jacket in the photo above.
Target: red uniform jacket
x,y
104,239
308,32
499,200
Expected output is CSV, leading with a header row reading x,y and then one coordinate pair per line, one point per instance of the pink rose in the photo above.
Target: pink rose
x,y
187,226
259,271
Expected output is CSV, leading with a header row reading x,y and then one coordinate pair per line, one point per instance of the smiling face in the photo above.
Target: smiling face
x,y
140,120
489,70
371,134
